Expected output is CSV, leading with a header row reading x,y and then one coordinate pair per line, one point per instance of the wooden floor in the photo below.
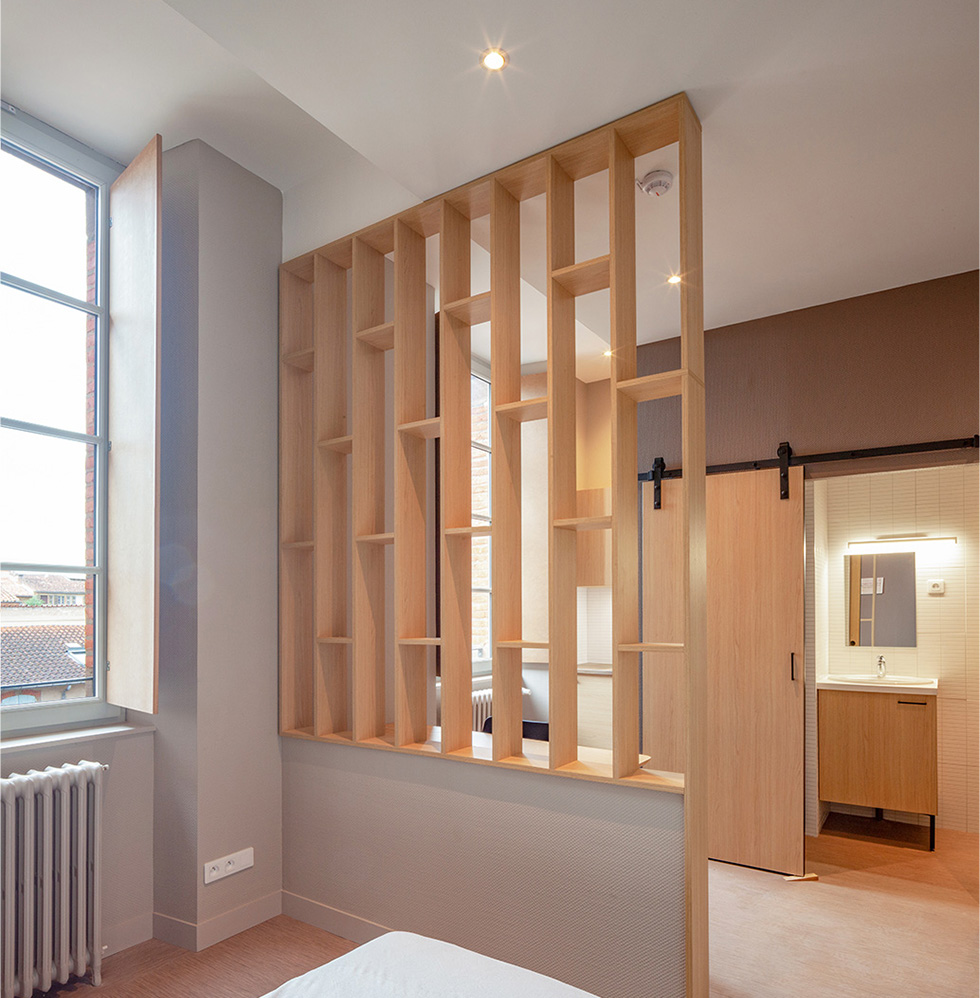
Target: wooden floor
x,y
886,919
246,966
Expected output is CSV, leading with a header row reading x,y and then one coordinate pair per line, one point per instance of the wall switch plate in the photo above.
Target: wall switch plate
x,y
935,587
227,865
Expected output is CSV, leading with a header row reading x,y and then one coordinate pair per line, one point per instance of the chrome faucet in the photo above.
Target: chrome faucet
x,y
881,666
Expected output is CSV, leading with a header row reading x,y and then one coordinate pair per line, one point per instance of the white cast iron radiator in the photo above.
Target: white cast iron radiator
x,y
483,705
51,832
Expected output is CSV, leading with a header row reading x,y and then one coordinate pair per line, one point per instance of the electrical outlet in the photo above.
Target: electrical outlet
x,y
217,869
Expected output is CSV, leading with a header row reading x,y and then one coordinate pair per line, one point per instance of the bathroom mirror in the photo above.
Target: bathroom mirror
x,y
881,599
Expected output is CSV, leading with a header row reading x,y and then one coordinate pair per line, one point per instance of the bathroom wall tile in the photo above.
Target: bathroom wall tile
x,y
952,663
929,615
952,797
972,733
952,731
971,665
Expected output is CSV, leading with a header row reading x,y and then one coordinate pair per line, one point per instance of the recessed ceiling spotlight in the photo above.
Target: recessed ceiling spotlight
x,y
493,59
674,279
607,353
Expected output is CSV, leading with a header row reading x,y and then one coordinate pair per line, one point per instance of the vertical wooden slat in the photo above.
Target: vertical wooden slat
x,y
664,609
562,499
505,386
455,483
331,699
695,557
410,486
368,496
295,507
625,536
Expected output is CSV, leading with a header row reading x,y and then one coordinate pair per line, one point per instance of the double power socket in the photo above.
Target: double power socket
x,y
227,865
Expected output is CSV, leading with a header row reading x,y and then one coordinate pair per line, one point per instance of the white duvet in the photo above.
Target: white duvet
x,y
405,965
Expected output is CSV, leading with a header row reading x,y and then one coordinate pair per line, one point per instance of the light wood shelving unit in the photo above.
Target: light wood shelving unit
x,y
334,337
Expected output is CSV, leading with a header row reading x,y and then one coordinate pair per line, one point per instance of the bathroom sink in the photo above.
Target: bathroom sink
x,y
875,680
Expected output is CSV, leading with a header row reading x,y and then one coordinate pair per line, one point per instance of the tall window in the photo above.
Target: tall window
x,y
53,443
480,457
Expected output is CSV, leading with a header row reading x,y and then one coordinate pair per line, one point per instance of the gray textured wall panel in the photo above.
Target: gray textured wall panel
x,y
581,881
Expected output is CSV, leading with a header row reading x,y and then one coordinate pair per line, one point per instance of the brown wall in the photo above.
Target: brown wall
x,y
895,367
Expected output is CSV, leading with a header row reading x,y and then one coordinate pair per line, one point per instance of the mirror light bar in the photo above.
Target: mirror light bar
x,y
904,542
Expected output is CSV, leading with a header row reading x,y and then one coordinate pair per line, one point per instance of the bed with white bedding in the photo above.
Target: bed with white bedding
x,y
405,965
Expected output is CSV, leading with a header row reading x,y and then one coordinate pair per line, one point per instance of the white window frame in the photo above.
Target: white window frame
x,y
48,144
484,666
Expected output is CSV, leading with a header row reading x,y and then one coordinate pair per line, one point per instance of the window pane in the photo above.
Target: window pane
x,y
47,362
481,482
481,562
48,637
481,627
480,410
47,502
48,231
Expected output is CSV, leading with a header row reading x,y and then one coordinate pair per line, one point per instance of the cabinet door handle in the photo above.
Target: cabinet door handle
x,y
792,666
913,703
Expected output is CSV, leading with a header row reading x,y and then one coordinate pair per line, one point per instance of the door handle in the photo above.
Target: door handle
x,y
792,666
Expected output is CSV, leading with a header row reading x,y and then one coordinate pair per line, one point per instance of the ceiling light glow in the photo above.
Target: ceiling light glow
x,y
674,279
607,353
493,59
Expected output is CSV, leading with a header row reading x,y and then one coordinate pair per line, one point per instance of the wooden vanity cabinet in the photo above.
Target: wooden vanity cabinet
x,y
878,750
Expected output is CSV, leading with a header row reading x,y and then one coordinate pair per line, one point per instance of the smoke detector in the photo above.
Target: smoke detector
x,y
656,183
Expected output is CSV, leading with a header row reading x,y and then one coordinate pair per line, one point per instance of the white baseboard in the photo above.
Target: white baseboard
x,y
213,930
340,923
122,935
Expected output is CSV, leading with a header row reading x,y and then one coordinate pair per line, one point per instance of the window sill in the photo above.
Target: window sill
x,y
74,736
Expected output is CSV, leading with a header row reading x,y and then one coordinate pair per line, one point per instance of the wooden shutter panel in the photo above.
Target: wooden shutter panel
x,y
135,254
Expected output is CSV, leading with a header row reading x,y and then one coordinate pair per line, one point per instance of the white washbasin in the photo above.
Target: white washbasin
x,y
869,682
873,679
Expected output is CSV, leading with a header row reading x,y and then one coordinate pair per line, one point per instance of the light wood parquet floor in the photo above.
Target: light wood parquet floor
x,y
886,919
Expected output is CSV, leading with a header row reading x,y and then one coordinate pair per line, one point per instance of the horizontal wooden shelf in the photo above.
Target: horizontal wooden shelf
x,y
525,410
341,445
334,641
428,429
584,278
434,642
381,337
653,386
657,780
472,310
643,646
296,545
300,359
388,538
477,530
593,763
585,523
523,644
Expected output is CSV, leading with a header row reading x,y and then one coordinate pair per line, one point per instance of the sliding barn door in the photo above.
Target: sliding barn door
x,y
755,663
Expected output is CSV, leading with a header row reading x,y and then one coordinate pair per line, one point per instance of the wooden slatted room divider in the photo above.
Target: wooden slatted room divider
x,y
334,661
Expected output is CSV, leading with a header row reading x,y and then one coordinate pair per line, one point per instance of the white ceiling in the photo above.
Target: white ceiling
x,y
840,138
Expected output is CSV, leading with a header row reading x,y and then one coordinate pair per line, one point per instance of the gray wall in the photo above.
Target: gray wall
x,y
127,823
218,778
579,880
895,367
